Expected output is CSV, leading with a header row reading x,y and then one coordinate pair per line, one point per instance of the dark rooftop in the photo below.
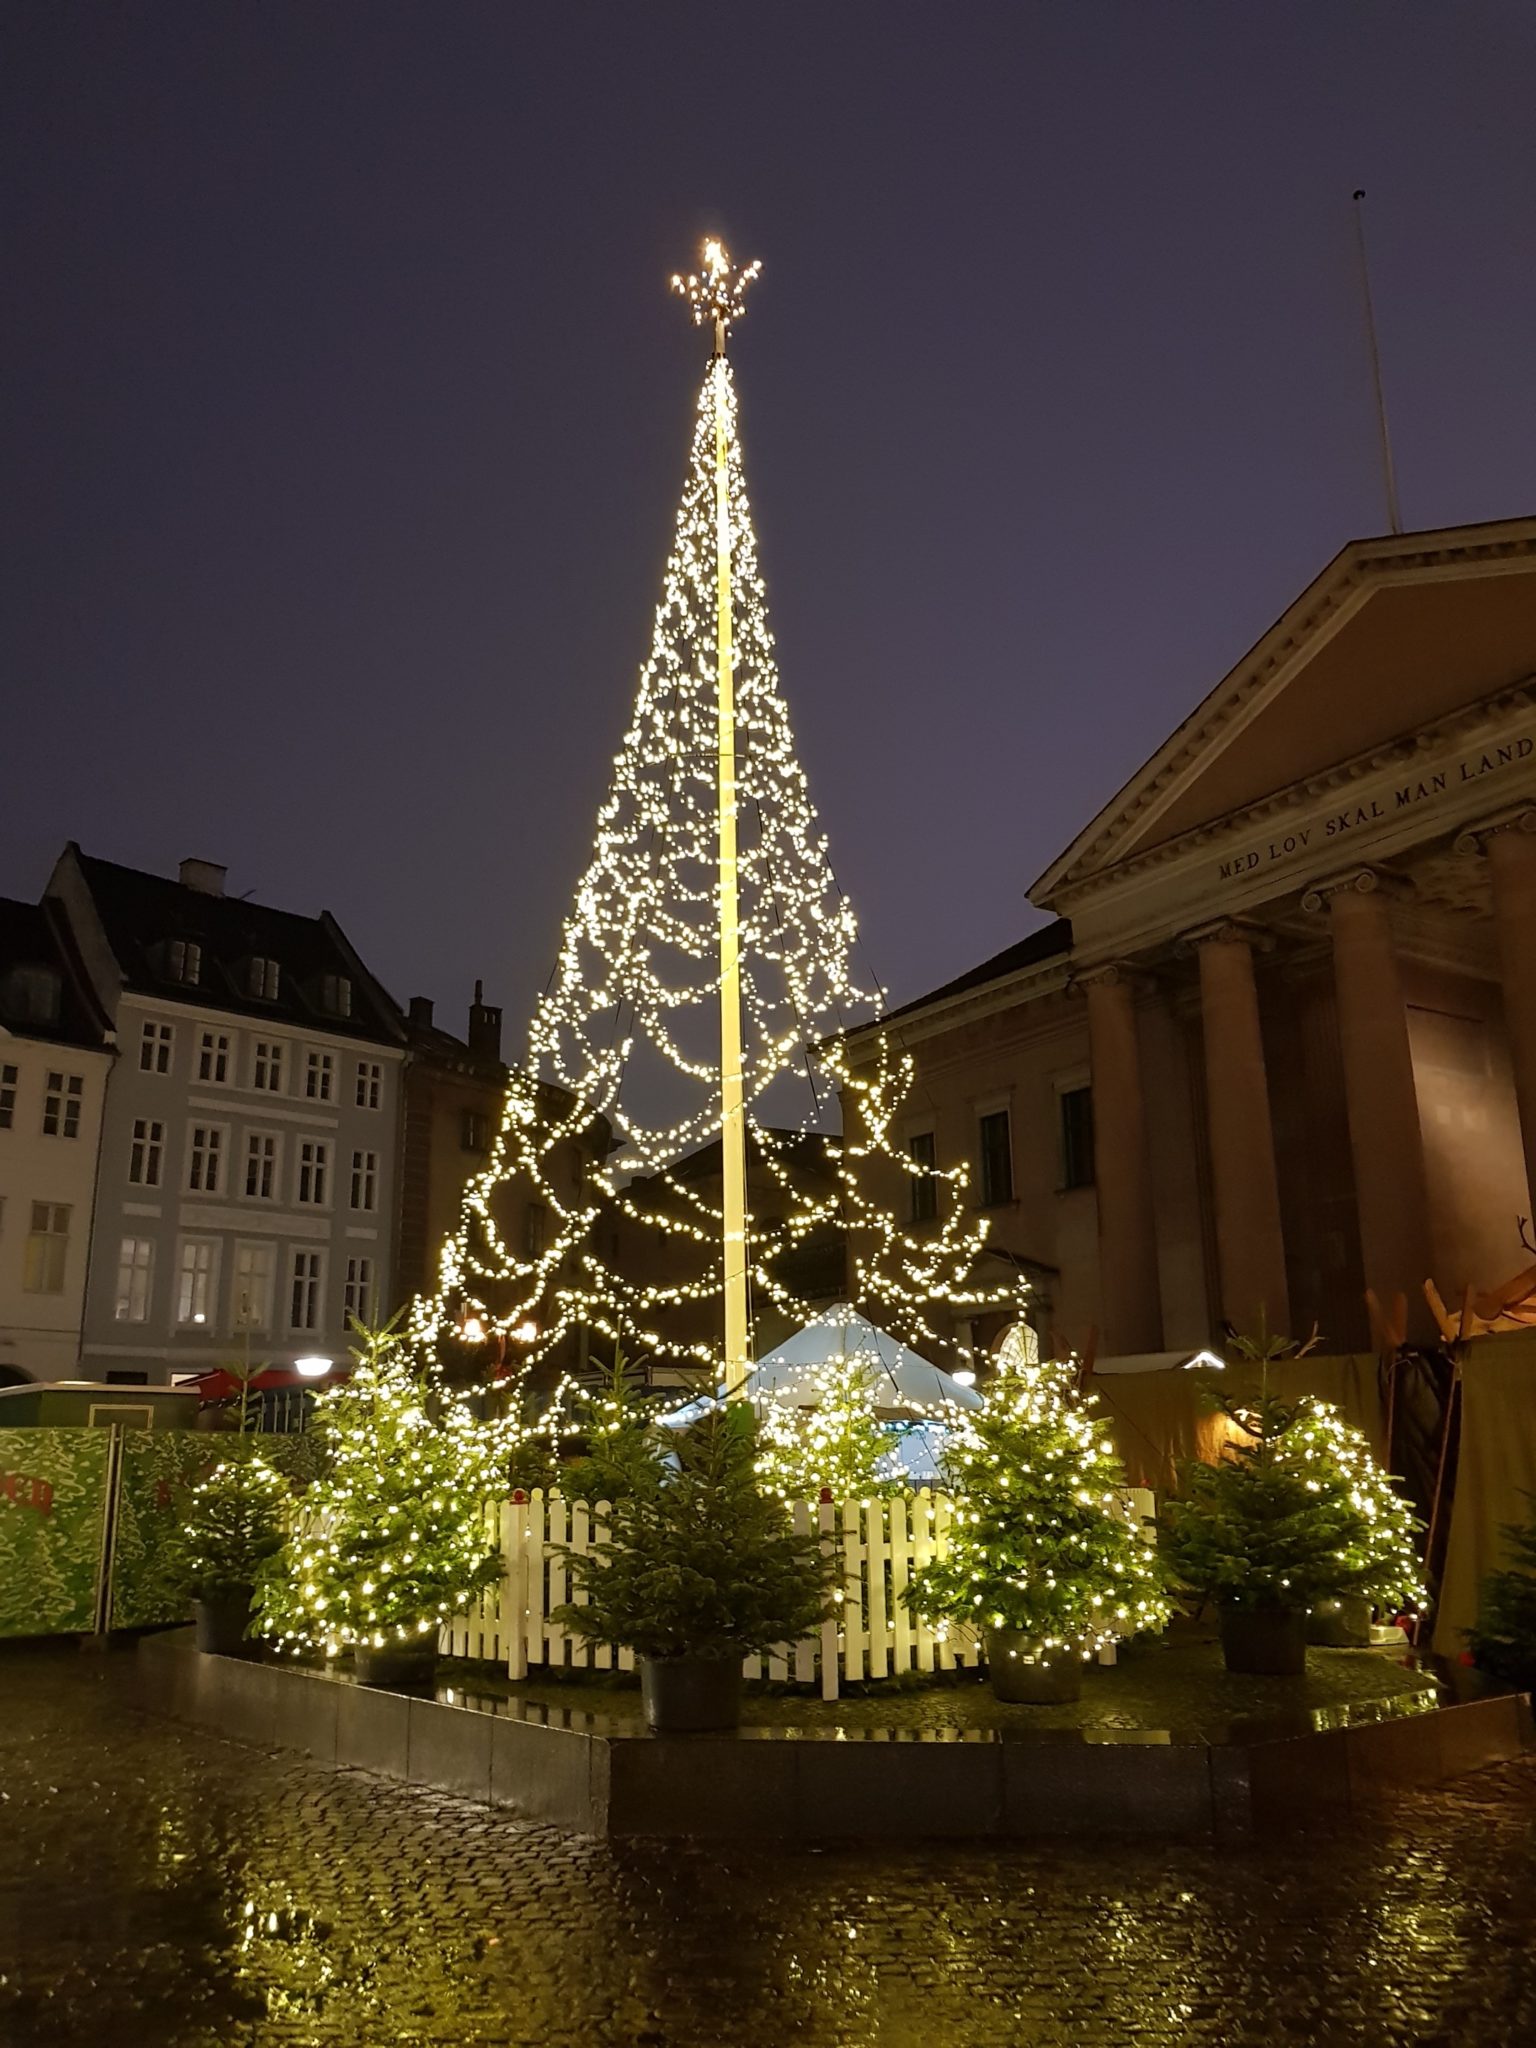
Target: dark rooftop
x,y
44,992
147,918
1048,943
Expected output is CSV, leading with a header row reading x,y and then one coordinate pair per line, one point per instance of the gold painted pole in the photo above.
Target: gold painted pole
x,y
733,1119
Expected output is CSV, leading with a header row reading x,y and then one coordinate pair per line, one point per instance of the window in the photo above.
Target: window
x,y
213,1056
255,1272
267,1069
365,1180
155,1048
1076,1113
145,1152
260,1166
304,1292
535,1229
34,993
205,1160
197,1280
925,1189
9,1076
135,1272
47,1248
996,1159
61,1106
336,994
474,1130
318,1072
261,980
359,1291
370,1079
314,1170
185,959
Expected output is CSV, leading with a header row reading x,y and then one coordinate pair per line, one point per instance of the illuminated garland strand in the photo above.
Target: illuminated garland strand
x,y
641,943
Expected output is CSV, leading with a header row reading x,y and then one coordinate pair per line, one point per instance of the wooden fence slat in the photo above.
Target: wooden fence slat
x,y
805,1649
514,1587
559,1534
853,1591
898,1508
826,1523
877,1620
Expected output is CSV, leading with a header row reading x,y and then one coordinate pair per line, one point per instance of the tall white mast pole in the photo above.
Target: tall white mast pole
x,y
716,297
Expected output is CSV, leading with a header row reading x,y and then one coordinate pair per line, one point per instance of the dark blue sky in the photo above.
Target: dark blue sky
x,y
346,412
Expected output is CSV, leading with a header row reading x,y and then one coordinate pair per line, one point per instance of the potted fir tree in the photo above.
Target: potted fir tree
x,y
393,1541
1295,1513
1503,1639
835,1440
234,1523
1044,1559
699,1568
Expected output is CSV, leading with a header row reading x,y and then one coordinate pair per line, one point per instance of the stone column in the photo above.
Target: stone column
x,y
1385,1139
1249,1243
1131,1318
1510,844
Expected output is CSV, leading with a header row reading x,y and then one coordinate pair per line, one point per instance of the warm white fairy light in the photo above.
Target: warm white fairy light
x,y
639,966
715,298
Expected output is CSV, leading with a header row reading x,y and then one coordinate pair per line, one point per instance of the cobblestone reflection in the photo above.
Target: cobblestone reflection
x,y
164,1888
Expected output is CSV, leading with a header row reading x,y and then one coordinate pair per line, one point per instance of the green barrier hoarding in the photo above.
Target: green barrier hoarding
x,y
158,1474
53,1500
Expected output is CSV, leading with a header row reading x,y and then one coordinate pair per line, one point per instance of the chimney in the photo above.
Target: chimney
x,y
484,1028
205,876
421,1011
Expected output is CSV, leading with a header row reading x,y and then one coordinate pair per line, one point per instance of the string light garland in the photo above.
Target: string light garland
x,y
1042,1537
639,978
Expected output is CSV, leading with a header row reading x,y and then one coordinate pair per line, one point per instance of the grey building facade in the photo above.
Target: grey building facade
x,y
245,1196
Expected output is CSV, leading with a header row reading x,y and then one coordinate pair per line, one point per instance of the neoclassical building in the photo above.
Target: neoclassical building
x,y
1279,1044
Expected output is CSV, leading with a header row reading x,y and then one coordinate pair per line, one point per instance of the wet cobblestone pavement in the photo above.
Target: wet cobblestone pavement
x,y
161,1887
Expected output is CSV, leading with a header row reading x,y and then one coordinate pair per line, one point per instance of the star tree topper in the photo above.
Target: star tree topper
x,y
720,294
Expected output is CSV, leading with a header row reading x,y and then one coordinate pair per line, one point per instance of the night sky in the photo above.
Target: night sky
x,y
346,412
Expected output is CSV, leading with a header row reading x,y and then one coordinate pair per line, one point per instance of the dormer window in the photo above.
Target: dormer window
x,y
261,980
185,960
32,995
336,994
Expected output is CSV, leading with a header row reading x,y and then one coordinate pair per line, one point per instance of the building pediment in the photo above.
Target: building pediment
x,y
1397,636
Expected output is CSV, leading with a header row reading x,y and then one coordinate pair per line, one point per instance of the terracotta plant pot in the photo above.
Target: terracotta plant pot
x,y
221,1620
689,1695
1049,1683
398,1667
1265,1642
1343,1624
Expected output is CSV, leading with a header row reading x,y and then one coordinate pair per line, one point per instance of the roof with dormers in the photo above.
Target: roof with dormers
x,y
143,915
1396,633
45,992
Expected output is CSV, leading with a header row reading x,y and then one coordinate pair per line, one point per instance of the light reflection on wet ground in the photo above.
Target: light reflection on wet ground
x,y
158,1886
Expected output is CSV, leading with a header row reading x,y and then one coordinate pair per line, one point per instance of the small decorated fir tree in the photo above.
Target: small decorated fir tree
x,y
836,1442
393,1542
1503,1639
234,1524
1295,1511
1043,1543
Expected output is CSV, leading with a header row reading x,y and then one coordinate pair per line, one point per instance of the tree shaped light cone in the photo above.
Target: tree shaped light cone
x,y
709,901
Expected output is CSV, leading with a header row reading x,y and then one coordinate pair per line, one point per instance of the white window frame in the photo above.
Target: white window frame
x,y
10,1083
197,1283
184,958
63,1100
135,1279
212,1152
365,1181
146,1151
312,1173
258,1318
272,1159
360,1289
312,1281
215,1058
370,1084
157,1045
319,1075
263,978
51,1244
269,1057
336,994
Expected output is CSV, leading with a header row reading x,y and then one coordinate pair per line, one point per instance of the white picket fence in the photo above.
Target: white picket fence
x,y
872,1635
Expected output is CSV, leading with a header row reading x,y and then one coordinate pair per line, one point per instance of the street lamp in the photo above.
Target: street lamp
x,y
313,1368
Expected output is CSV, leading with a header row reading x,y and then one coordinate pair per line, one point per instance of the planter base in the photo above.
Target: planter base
x,y
1264,1642
221,1623
1053,1683
398,1667
1341,1624
690,1695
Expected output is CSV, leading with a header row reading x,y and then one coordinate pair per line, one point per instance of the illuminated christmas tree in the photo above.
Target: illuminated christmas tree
x,y
833,1440
1043,1543
392,1540
703,982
